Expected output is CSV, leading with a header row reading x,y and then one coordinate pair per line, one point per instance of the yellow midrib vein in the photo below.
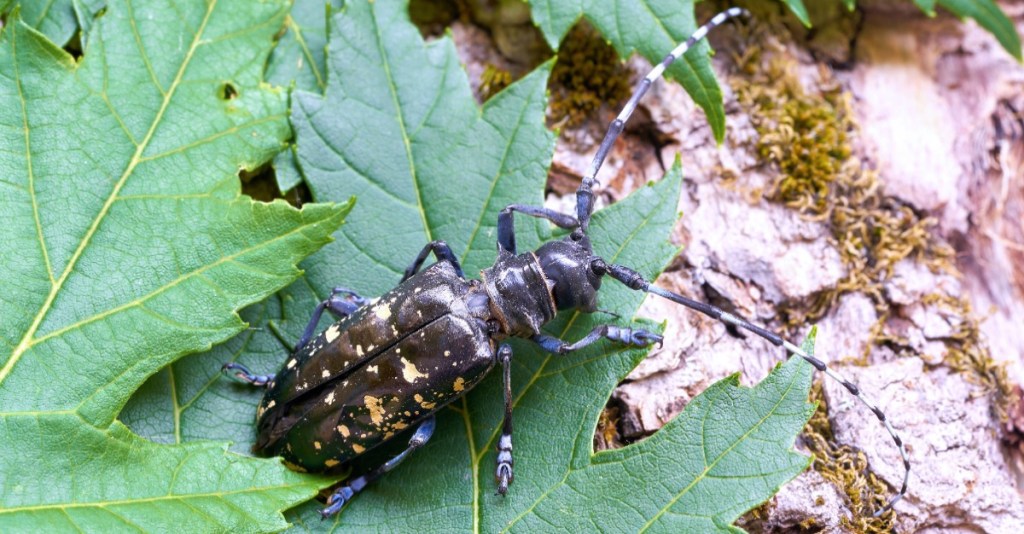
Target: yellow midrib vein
x,y
393,88
26,341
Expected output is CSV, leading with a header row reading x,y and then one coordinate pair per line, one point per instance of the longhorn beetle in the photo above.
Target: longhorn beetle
x,y
439,333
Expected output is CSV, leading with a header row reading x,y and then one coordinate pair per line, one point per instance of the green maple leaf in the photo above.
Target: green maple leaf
x,y
398,127
128,245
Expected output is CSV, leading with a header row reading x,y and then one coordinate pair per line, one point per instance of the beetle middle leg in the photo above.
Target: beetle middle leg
x,y
345,493
629,336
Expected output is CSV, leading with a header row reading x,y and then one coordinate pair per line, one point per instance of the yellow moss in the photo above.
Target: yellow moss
x,y
587,75
493,80
607,435
967,355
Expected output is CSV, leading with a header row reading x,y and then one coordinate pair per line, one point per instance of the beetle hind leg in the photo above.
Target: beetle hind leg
x,y
441,251
345,493
242,374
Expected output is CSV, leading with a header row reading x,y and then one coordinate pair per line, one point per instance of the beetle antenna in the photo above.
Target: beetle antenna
x,y
635,281
585,194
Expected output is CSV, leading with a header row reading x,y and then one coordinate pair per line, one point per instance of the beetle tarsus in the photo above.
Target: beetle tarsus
x,y
337,501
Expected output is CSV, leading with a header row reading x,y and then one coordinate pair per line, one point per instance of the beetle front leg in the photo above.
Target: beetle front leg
x,y
503,474
628,336
345,493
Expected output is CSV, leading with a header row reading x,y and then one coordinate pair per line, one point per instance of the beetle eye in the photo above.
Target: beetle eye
x,y
576,234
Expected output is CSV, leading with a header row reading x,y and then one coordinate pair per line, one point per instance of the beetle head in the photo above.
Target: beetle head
x,y
566,264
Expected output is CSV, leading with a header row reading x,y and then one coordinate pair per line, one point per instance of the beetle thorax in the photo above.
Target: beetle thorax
x,y
520,294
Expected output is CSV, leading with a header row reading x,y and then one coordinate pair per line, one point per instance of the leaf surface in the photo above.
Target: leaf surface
x,y
298,61
129,245
397,126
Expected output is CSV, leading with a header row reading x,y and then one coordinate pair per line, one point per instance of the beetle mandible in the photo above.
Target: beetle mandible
x,y
439,333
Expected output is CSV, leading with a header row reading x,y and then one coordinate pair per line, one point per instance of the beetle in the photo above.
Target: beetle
x,y
389,364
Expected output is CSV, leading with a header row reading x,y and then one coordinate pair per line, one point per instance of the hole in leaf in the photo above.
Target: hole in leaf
x,y
227,91
74,46
261,184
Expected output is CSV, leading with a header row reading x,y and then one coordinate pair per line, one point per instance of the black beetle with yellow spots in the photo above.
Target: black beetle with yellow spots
x,y
389,364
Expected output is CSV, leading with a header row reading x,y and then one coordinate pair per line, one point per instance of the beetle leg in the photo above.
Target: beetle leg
x,y
240,373
503,474
338,306
507,228
629,336
441,251
345,493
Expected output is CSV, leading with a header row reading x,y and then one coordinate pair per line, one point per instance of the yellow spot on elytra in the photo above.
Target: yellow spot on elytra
x,y
271,404
372,368
375,407
316,445
291,363
359,350
331,462
428,405
358,448
447,353
400,425
330,398
344,431
398,350
418,397
459,385
409,372
382,312
332,333
387,435
325,373
370,348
